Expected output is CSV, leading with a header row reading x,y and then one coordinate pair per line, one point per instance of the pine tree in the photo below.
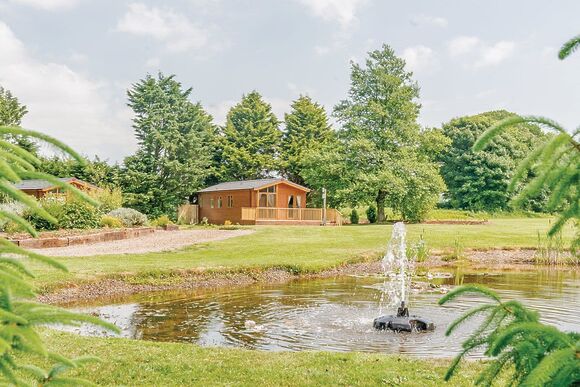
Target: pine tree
x,y
19,314
173,158
11,114
534,353
250,140
306,130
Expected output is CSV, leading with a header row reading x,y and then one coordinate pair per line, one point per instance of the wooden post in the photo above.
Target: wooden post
x,y
324,206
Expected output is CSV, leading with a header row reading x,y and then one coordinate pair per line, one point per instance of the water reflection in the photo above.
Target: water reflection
x,y
331,314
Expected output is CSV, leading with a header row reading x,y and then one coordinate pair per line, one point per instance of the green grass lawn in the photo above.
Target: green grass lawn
x,y
298,249
132,362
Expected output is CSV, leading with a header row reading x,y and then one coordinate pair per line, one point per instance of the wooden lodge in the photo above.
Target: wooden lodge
x,y
260,202
40,188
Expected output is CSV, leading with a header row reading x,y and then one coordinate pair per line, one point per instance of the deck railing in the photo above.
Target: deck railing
x,y
291,214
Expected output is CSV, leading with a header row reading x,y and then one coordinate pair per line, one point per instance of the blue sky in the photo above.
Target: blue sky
x,y
71,61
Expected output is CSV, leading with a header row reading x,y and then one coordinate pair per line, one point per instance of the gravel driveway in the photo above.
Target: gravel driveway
x,y
158,241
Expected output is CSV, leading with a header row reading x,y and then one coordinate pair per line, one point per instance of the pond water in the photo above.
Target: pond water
x,y
331,314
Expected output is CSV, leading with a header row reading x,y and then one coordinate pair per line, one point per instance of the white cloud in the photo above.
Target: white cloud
x,y
481,53
419,58
340,11
463,45
64,103
153,62
48,4
164,25
435,21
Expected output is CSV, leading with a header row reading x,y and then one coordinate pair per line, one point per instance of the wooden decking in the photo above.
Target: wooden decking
x,y
294,216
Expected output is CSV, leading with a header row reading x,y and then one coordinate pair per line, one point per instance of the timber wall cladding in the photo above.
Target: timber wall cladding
x,y
240,198
105,236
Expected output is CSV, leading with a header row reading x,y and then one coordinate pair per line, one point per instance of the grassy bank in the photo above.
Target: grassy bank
x,y
131,362
297,249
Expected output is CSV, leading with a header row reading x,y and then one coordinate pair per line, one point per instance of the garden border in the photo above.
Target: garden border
x,y
104,236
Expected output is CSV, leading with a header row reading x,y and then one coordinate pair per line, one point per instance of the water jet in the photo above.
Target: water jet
x,y
399,271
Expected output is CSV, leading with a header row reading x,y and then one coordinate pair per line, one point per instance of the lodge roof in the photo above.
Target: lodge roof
x,y
250,184
40,184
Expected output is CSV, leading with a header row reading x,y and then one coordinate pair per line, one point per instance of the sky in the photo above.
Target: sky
x,y
72,61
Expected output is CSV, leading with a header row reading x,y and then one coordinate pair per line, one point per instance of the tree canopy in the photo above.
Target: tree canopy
x,y
250,140
306,130
172,160
479,181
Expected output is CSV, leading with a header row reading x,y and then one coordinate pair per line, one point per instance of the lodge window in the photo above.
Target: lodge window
x,y
230,201
298,201
291,201
219,202
211,203
267,197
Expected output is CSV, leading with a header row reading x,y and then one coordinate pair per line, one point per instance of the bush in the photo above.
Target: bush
x,y
354,216
111,222
162,221
77,214
372,214
109,199
129,217
51,204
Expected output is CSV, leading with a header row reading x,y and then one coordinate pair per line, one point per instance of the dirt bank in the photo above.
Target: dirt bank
x,y
497,260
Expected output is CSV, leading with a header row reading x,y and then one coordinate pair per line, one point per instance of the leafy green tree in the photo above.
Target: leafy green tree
x,y
531,353
306,130
379,139
11,114
173,158
250,140
478,181
20,316
96,171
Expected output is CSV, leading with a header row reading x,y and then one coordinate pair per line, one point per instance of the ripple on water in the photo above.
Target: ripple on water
x,y
331,314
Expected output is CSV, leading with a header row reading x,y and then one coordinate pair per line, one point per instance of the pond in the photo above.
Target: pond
x,y
330,314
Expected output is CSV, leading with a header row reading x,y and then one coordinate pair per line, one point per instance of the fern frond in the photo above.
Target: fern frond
x,y
467,289
490,133
466,316
528,328
572,212
525,165
47,139
549,367
569,47
8,247
22,153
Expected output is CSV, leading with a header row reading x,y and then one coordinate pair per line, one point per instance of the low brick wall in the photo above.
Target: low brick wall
x,y
103,236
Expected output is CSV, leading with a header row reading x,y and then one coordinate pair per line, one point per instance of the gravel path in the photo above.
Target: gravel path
x,y
159,241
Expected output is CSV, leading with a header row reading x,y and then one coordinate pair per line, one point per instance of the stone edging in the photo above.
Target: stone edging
x,y
104,236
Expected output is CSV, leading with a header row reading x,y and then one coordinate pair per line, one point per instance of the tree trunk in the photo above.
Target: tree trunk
x,y
381,196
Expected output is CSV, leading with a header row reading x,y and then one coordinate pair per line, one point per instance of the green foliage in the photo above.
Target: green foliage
x,y
53,205
162,221
76,214
129,217
377,155
111,222
307,130
174,135
19,314
478,181
109,199
250,140
354,216
533,354
11,113
569,47
555,166
419,251
372,214
96,171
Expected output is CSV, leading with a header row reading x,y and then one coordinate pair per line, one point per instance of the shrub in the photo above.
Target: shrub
x,y
372,214
109,199
53,205
13,208
162,221
354,216
77,214
111,222
129,217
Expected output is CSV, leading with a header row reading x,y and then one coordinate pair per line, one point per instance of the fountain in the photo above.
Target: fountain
x,y
399,271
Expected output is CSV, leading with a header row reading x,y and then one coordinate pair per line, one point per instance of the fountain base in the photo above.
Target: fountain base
x,y
405,324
